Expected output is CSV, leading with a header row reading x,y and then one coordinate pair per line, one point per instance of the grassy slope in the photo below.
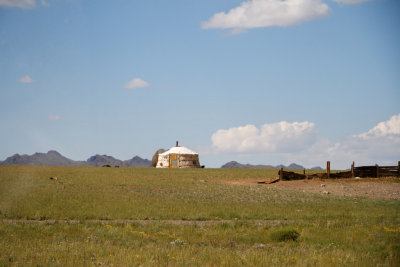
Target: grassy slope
x,y
334,230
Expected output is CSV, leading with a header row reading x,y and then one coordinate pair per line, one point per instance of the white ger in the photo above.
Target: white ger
x,y
178,157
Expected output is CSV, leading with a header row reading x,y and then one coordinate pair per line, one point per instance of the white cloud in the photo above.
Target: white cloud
x,y
274,137
136,83
384,150
54,117
26,79
379,144
18,3
297,142
350,2
385,128
266,13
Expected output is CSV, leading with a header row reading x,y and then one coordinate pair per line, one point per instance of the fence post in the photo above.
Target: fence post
x,y
328,169
352,170
377,170
281,174
398,168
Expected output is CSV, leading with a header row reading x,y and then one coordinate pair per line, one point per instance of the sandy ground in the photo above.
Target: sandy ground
x,y
385,188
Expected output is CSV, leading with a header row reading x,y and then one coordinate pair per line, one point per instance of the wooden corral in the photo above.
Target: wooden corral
x,y
345,174
362,172
285,175
377,171
365,171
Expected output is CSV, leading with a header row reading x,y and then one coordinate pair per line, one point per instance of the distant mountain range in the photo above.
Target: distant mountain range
x,y
293,166
53,158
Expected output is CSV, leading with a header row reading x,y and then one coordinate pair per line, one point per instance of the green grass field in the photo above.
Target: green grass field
x,y
187,217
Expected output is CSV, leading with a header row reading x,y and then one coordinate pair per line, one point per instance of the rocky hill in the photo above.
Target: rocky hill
x,y
235,164
137,162
53,158
100,160
293,166
317,168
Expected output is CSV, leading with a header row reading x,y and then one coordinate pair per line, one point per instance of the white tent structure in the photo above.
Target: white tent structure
x,y
178,157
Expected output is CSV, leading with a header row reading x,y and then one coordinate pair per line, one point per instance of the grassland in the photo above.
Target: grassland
x,y
188,217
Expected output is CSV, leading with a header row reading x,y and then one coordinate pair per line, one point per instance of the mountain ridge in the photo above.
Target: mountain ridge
x,y
54,158
293,166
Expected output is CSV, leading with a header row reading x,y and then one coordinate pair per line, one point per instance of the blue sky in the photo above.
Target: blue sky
x,y
259,81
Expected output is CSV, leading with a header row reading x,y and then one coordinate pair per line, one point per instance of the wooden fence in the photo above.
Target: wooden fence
x,y
377,171
362,172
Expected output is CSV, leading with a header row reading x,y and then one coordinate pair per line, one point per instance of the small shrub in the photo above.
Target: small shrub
x,y
286,234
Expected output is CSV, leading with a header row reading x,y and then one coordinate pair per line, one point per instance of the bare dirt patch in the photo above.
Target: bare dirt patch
x,y
385,188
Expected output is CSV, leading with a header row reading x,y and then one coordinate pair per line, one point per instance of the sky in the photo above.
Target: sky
x,y
257,81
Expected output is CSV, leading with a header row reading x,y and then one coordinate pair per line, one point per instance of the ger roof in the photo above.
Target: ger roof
x,y
179,150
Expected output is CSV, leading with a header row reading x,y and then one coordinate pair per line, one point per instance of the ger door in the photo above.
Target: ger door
x,y
174,160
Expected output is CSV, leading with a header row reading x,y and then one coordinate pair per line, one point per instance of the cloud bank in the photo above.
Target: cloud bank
x,y
380,144
299,142
386,128
266,13
136,83
276,137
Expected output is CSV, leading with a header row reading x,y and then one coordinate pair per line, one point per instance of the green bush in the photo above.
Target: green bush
x,y
286,234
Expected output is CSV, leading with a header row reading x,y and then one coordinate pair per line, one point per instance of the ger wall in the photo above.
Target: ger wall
x,y
185,161
163,161
189,161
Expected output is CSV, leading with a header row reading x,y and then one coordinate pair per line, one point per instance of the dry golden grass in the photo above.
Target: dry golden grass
x,y
136,216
